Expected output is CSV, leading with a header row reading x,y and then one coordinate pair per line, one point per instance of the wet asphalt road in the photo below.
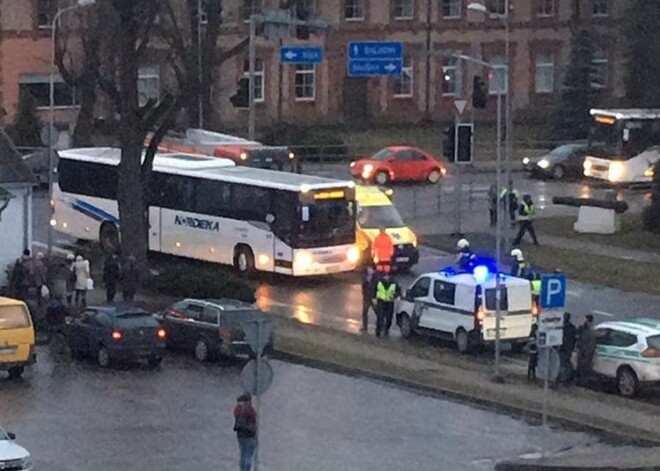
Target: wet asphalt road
x,y
72,416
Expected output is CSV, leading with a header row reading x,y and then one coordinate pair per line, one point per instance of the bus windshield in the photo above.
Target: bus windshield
x,y
327,222
374,217
625,139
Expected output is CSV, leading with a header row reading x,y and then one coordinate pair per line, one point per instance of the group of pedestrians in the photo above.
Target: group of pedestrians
x,y
29,275
125,276
519,210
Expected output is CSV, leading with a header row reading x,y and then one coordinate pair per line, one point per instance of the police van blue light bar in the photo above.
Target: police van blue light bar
x,y
481,273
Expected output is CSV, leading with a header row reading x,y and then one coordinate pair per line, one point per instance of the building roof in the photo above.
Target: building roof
x,y
12,167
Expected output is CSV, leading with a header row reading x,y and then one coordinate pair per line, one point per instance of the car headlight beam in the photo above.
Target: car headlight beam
x,y
544,164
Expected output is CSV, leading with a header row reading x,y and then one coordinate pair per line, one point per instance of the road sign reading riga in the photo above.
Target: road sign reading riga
x,y
301,54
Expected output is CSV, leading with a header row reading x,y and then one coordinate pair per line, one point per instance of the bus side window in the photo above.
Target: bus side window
x,y
284,210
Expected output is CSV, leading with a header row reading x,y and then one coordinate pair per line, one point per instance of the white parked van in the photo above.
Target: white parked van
x,y
461,307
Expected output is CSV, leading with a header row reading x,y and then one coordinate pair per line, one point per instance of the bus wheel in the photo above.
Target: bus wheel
x,y
244,260
109,237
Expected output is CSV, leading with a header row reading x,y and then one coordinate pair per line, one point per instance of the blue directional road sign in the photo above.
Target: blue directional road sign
x,y
301,54
374,58
553,291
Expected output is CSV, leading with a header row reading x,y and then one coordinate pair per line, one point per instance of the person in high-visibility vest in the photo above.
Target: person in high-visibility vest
x,y
387,291
382,250
519,267
526,220
509,198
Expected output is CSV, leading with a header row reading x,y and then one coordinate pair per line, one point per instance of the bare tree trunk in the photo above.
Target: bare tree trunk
x,y
82,134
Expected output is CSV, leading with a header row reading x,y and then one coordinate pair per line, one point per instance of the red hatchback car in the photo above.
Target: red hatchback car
x,y
398,163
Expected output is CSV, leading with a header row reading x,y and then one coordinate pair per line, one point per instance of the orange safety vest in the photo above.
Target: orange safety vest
x,y
382,249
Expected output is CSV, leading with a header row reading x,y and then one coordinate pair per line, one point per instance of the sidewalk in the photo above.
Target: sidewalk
x,y
463,378
600,249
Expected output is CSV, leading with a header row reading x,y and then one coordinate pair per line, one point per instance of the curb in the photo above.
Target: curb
x,y
609,431
535,466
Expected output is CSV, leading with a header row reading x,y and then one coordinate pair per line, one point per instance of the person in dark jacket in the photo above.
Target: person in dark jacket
x,y
533,350
245,426
569,336
111,275
55,312
130,279
368,284
586,326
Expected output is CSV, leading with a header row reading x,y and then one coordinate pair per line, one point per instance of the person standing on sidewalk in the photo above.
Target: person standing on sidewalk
x,y
368,283
566,350
70,278
526,215
386,292
245,426
111,274
533,351
39,276
82,273
130,279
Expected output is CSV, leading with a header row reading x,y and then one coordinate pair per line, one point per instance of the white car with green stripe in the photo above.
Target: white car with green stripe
x,y
628,351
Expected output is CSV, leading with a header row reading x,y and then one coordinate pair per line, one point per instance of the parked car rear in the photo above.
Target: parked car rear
x,y
212,328
16,337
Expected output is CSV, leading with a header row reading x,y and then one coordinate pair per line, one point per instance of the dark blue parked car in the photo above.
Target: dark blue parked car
x,y
112,333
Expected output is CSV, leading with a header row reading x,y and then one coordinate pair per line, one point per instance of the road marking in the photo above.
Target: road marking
x,y
602,313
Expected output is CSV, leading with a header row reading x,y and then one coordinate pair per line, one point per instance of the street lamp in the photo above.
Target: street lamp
x,y
51,118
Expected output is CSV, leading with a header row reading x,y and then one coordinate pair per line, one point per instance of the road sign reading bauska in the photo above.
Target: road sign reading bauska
x,y
301,54
460,106
374,58
553,291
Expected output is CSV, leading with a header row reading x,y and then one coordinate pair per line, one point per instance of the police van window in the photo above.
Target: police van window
x,y
444,292
490,299
421,288
621,339
654,342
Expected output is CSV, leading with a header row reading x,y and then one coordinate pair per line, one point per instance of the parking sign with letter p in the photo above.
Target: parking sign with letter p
x,y
553,291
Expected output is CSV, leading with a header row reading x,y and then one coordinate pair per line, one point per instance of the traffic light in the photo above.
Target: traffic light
x,y
479,93
242,97
448,144
302,14
464,144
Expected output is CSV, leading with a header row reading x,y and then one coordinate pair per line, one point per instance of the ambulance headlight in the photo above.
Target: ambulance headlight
x,y
353,254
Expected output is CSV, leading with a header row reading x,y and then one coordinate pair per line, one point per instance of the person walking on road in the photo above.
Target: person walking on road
x,y
70,278
509,198
519,266
82,272
39,272
382,250
526,220
492,204
111,275
386,292
533,351
368,283
245,426
130,279
569,333
20,276
587,343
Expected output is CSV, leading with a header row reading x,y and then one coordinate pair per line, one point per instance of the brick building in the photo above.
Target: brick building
x,y
540,32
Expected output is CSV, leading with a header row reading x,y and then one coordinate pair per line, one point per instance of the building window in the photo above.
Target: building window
x,y
451,77
249,8
305,82
148,85
354,9
600,69
600,7
403,85
545,7
451,8
497,7
39,87
46,10
403,9
258,78
305,8
545,74
203,12
499,77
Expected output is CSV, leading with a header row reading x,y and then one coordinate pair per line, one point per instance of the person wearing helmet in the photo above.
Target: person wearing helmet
x,y
519,266
465,258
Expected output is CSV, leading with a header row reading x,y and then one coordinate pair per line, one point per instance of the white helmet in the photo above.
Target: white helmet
x,y
518,255
463,244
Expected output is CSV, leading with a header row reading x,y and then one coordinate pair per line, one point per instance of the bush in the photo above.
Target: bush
x,y
308,143
197,280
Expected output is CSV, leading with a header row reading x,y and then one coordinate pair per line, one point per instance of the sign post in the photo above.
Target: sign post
x,y
374,58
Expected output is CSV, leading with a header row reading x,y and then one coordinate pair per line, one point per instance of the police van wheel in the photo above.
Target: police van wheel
x,y
405,326
626,382
462,341
244,260
109,237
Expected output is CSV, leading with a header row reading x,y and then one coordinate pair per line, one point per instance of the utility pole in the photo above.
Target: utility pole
x,y
200,74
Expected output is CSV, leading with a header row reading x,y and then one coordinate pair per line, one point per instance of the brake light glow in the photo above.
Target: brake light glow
x,y
161,334
117,335
651,353
535,309
481,314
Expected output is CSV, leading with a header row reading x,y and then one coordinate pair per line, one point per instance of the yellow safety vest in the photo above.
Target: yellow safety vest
x,y
536,287
385,294
527,213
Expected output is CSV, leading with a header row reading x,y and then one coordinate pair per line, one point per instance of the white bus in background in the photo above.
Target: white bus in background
x,y
624,145
208,209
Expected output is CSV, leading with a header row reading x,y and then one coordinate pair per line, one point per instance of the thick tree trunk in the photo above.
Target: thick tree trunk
x,y
82,134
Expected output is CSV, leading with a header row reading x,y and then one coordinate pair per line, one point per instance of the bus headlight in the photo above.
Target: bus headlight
x,y
263,259
53,222
303,259
616,172
366,171
353,254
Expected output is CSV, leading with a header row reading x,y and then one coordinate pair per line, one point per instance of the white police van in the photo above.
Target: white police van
x,y
462,307
629,352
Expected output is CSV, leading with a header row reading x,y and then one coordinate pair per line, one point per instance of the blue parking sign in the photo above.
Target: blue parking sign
x,y
553,291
